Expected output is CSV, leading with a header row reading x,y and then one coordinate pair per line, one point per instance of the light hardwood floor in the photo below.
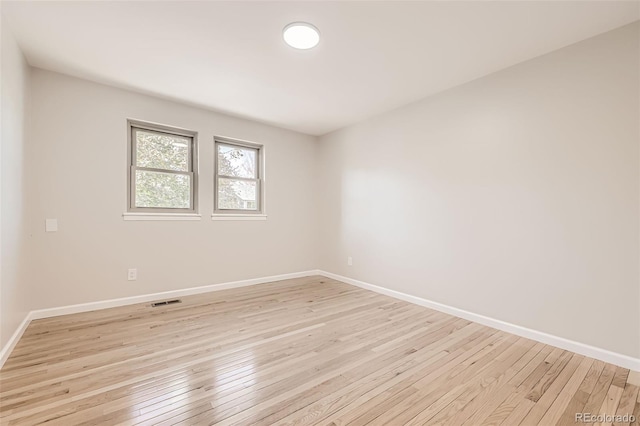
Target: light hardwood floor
x,y
303,351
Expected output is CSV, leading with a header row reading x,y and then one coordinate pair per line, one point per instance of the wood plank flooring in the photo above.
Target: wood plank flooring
x,y
296,352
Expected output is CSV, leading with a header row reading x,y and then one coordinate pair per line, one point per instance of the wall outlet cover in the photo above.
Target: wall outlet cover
x,y
51,225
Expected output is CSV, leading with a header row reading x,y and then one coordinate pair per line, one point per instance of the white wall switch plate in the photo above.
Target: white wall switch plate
x,y
132,274
349,261
51,225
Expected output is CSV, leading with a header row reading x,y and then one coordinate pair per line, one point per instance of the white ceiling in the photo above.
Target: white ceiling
x,y
230,57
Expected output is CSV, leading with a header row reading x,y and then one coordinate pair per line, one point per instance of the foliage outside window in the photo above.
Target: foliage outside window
x,y
162,175
238,177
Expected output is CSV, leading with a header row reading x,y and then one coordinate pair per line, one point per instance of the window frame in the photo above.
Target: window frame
x,y
135,125
259,179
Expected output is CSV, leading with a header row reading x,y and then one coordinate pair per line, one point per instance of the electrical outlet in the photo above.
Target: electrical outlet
x,y
349,261
132,275
51,225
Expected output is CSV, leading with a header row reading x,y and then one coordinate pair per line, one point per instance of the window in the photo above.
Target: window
x,y
239,177
162,169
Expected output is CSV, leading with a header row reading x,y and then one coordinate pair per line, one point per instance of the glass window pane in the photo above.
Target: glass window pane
x,y
237,161
236,194
161,151
162,190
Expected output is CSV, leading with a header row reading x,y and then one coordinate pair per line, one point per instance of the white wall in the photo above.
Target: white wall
x,y
14,111
78,158
515,196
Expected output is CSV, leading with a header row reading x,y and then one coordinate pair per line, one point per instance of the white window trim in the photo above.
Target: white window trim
x,y
160,216
157,213
258,216
240,215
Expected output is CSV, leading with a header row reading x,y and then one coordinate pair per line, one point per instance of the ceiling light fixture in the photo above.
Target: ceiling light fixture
x,y
301,35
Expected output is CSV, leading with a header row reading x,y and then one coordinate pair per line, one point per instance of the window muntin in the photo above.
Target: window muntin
x,y
162,175
238,179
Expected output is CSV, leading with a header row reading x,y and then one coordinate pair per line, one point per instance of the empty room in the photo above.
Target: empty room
x,y
320,213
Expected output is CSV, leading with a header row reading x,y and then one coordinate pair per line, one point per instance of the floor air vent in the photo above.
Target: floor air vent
x,y
166,302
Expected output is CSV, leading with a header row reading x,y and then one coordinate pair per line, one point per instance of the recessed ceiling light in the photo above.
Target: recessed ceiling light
x,y
301,35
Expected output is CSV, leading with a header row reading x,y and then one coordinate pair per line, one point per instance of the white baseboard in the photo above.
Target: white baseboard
x,y
621,360
112,303
13,341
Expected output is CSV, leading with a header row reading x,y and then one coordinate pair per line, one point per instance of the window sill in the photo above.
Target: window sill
x,y
161,216
238,217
